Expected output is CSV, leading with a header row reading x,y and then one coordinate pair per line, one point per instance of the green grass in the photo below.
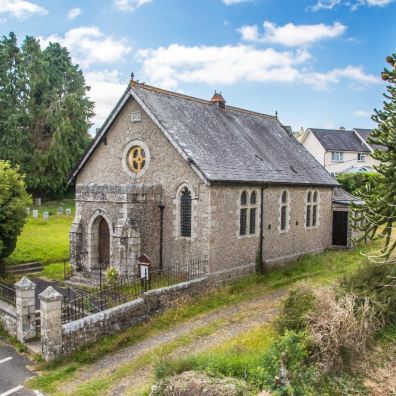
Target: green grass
x,y
54,271
44,240
322,268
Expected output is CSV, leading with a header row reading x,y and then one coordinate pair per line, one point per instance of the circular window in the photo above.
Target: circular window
x,y
136,159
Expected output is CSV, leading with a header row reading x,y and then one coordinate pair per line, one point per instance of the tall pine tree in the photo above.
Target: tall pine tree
x,y
378,214
46,111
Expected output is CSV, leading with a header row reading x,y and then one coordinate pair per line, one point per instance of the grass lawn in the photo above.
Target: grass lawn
x,y
44,240
321,269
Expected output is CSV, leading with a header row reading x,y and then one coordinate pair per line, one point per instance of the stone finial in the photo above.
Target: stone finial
x,y
24,284
50,294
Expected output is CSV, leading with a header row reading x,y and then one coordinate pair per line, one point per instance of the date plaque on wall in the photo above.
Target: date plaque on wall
x,y
136,116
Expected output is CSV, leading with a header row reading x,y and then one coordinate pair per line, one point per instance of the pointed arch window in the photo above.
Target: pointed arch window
x,y
312,209
185,212
252,213
308,215
248,213
284,209
243,214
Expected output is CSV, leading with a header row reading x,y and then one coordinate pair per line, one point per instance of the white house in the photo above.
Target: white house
x,y
340,150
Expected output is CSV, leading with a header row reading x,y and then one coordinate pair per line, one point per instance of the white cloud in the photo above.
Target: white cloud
x,y
175,64
106,89
352,4
353,73
362,113
167,66
88,45
231,2
74,13
292,35
21,9
130,5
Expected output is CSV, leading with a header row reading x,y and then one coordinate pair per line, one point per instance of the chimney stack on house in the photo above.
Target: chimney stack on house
x,y
218,100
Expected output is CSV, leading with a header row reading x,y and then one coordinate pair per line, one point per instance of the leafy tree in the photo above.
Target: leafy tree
x,y
46,118
379,210
353,182
13,201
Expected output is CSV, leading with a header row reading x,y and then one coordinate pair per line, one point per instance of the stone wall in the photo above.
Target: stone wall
x,y
229,250
8,318
107,168
80,332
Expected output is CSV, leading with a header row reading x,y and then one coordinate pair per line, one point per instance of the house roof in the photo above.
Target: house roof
x,y
229,145
342,197
339,140
364,134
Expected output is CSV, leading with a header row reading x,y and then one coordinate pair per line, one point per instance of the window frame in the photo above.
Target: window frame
x,y
312,209
247,209
284,212
176,210
337,156
360,155
185,218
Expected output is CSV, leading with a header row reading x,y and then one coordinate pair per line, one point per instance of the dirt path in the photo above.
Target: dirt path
x,y
228,322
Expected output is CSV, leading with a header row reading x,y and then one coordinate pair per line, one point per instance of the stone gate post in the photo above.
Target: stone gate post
x,y
51,323
25,291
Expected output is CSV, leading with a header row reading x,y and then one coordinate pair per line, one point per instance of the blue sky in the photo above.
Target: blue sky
x,y
316,62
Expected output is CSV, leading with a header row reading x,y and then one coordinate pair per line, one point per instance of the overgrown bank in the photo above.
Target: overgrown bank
x,y
320,269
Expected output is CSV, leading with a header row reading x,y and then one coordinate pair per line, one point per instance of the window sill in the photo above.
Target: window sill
x,y
283,231
247,236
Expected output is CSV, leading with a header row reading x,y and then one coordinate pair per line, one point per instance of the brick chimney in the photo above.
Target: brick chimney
x,y
218,100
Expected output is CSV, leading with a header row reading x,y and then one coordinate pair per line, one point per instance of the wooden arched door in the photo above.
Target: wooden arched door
x,y
104,244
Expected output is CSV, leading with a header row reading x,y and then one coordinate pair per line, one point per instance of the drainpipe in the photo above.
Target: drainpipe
x,y
262,228
162,207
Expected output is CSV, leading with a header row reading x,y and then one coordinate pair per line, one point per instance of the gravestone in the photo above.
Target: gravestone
x,y
68,211
45,215
27,211
60,210
37,201
35,213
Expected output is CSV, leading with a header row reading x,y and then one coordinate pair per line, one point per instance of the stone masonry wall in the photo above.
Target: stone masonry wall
x,y
229,250
91,328
8,318
166,167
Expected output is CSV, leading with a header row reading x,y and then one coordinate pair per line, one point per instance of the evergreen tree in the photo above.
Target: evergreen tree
x,y
45,113
14,142
378,214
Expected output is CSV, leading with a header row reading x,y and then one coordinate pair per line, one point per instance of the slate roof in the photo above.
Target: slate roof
x,y
228,145
339,140
342,197
364,133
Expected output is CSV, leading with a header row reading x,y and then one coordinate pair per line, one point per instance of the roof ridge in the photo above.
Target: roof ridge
x,y
195,99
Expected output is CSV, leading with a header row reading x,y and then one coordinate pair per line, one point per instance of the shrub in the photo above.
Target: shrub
x,y
339,328
378,283
111,275
294,346
295,309
13,202
352,182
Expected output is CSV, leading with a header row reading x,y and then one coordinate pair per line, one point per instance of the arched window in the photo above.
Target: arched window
x,y
308,210
185,212
253,211
243,214
312,210
315,209
283,211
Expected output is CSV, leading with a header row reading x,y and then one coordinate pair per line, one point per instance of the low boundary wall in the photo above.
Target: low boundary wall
x,y
8,318
60,340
